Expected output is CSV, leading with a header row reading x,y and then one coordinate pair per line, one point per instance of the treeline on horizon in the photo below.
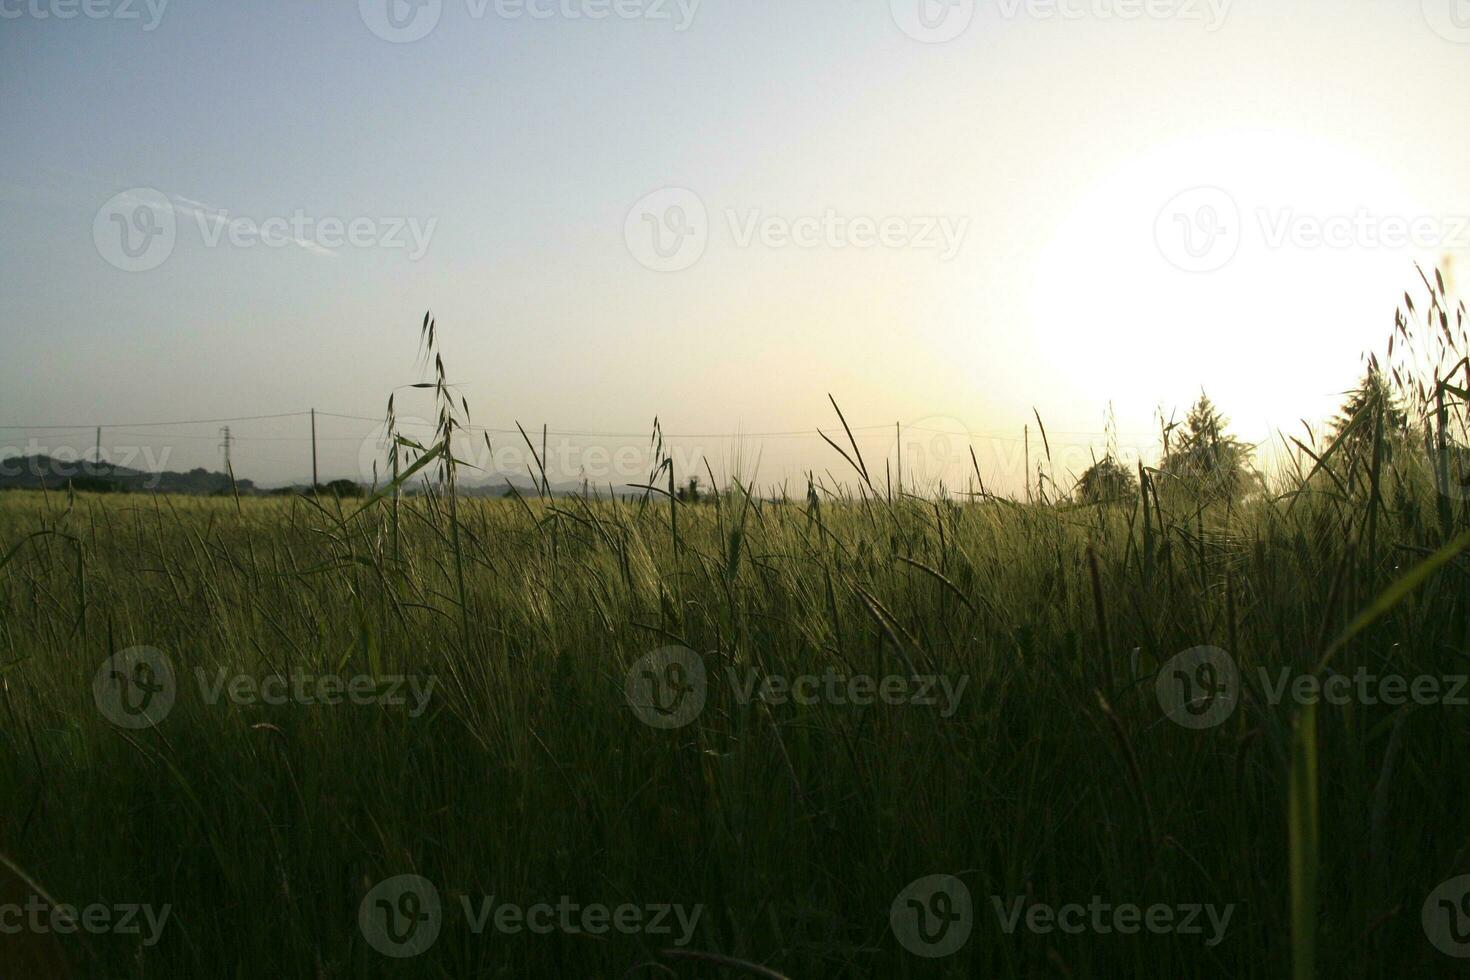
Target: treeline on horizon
x,y
1396,410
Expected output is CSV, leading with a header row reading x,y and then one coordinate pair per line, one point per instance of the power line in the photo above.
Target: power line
x,y
468,428
238,438
882,427
630,435
575,433
154,425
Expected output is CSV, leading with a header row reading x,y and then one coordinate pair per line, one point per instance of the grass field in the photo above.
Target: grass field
x,y
513,723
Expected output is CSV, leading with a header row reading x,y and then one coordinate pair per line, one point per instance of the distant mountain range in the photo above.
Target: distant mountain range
x,y
38,472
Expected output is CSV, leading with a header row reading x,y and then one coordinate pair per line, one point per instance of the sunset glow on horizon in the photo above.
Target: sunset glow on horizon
x,y
673,211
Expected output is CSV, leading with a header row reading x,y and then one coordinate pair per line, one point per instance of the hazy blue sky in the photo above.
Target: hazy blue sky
x,y
988,223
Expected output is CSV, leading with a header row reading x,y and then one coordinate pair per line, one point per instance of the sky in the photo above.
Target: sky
x,y
954,217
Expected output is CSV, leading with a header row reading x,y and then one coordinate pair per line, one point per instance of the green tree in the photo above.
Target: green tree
x,y
689,493
1106,480
341,488
1372,395
1206,460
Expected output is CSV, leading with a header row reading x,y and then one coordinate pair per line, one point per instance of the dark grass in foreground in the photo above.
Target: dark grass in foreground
x,y
1056,777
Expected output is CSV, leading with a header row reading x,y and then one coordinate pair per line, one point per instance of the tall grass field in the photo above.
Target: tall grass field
x,y
864,730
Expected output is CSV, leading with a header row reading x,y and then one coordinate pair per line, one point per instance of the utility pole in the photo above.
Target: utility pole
x,y
225,440
97,459
898,434
314,481
1026,476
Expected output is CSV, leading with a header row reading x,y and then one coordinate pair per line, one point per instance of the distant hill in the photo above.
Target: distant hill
x,y
527,488
38,472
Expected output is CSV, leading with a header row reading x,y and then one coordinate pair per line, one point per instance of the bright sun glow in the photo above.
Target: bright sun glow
x,y
1129,305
